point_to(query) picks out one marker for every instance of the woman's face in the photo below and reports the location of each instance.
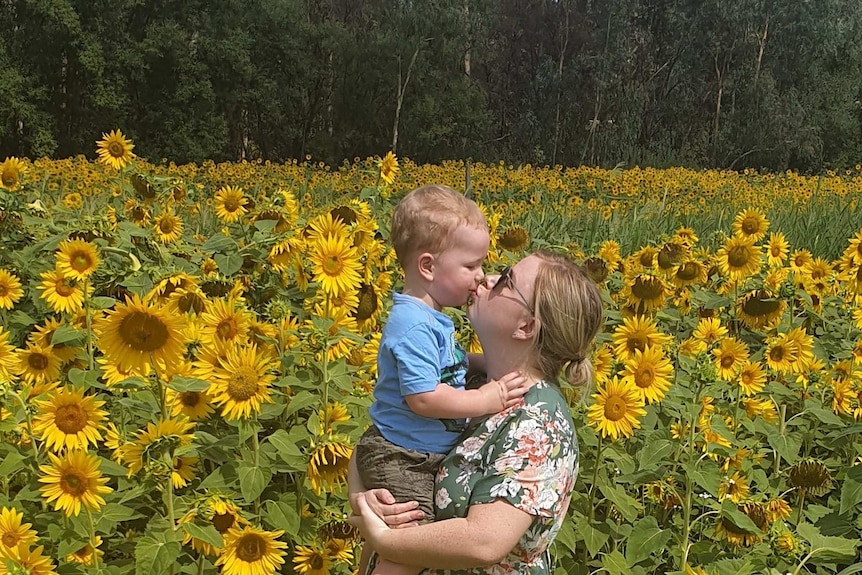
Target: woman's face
(499, 305)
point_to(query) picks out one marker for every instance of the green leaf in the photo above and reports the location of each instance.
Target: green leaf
(206, 533)
(253, 480)
(593, 538)
(851, 490)
(114, 513)
(731, 512)
(734, 567)
(825, 548)
(300, 400)
(11, 463)
(653, 452)
(645, 538)
(705, 474)
(219, 243)
(615, 563)
(228, 264)
(282, 514)
(102, 302)
(67, 334)
(785, 445)
(184, 384)
(627, 505)
(287, 450)
(155, 554)
(566, 535)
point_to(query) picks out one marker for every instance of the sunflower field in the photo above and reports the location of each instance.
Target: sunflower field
(187, 355)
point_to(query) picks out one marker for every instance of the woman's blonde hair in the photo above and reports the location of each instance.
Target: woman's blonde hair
(423, 221)
(568, 308)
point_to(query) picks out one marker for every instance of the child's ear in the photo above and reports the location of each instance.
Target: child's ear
(425, 265)
(527, 329)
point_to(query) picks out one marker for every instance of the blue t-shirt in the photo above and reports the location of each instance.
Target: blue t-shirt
(417, 352)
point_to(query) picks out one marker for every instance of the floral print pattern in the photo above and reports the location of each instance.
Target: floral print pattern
(526, 455)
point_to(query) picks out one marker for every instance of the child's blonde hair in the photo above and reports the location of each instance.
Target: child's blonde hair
(568, 308)
(424, 219)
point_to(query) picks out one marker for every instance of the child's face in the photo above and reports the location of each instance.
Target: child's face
(458, 269)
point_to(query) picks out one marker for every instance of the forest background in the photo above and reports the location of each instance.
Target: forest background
(730, 84)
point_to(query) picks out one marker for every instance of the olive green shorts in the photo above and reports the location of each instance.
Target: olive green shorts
(409, 475)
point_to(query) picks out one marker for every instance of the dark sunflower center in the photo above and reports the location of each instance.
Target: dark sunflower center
(344, 213)
(636, 342)
(243, 384)
(332, 265)
(750, 226)
(645, 378)
(597, 269)
(38, 361)
(3, 290)
(615, 408)
(688, 271)
(231, 204)
(227, 329)
(250, 548)
(367, 303)
(727, 361)
(142, 331)
(760, 305)
(223, 521)
(646, 259)
(316, 562)
(10, 540)
(777, 353)
(10, 178)
(190, 398)
(63, 288)
(73, 484)
(81, 262)
(166, 225)
(116, 149)
(647, 288)
(738, 256)
(669, 256)
(70, 419)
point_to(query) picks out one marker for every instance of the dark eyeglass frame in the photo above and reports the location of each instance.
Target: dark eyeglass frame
(505, 279)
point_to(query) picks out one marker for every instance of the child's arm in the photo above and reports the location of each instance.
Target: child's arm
(446, 402)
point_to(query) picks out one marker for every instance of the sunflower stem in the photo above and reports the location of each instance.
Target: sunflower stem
(29, 417)
(782, 414)
(169, 484)
(96, 568)
(590, 510)
(801, 505)
(736, 410)
(255, 446)
(88, 314)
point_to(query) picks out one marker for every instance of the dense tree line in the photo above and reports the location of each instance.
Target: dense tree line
(717, 83)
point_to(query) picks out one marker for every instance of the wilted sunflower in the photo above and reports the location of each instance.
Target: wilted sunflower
(10, 173)
(135, 334)
(513, 239)
(645, 293)
(311, 560)
(77, 259)
(230, 204)
(777, 510)
(87, 553)
(750, 224)
(327, 467)
(37, 364)
(242, 382)
(68, 419)
(335, 264)
(811, 475)
(388, 168)
(251, 551)
(687, 273)
(730, 355)
(167, 433)
(736, 536)
(10, 289)
(670, 255)
(650, 372)
(74, 481)
(13, 531)
(616, 410)
(751, 378)
(168, 228)
(115, 150)
(637, 333)
(759, 308)
(597, 269)
(739, 258)
(23, 559)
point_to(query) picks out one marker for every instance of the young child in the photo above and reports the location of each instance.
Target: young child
(441, 241)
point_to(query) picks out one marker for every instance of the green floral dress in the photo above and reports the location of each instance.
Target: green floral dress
(526, 455)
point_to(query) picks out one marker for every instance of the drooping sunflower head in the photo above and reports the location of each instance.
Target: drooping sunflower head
(115, 150)
(251, 551)
(597, 269)
(514, 239)
(670, 255)
(327, 467)
(811, 475)
(10, 173)
(689, 272)
(751, 224)
(646, 293)
(759, 308)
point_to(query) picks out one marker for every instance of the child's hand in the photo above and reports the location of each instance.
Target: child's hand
(500, 394)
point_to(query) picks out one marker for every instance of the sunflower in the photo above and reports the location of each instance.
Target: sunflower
(853, 252)
(224, 323)
(10, 173)
(650, 372)
(645, 293)
(762, 407)
(618, 405)
(134, 334)
(339, 550)
(69, 419)
(251, 551)
(804, 349)
(750, 224)
(335, 264)
(388, 167)
(195, 405)
(780, 354)
(242, 382)
(610, 252)
(74, 481)
(61, 293)
(283, 254)
(23, 559)
(644, 258)
(739, 258)
(230, 204)
(10, 289)
(311, 560)
(759, 308)
(13, 531)
(86, 554)
(799, 259)
(687, 236)
(709, 330)
(168, 228)
(115, 150)
(842, 393)
(811, 475)
(597, 269)
(725, 529)
(637, 333)
(184, 471)
(787, 544)
(167, 433)
(327, 467)
(77, 259)
(670, 255)
(37, 364)
(777, 249)
(777, 510)
(73, 200)
(603, 361)
(730, 355)
(221, 513)
(687, 273)
(751, 378)
(8, 357)
(734, 488)
(513, 239)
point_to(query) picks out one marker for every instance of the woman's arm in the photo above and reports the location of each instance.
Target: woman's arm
(488, 533)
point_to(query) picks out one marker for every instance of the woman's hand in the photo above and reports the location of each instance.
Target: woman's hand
(382, 504)
(370, 524)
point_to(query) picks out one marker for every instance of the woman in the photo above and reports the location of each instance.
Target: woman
(502, 493)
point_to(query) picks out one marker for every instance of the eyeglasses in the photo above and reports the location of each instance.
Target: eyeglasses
(505, 279)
